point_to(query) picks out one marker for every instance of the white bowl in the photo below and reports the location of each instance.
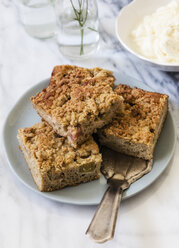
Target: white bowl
(128, 17)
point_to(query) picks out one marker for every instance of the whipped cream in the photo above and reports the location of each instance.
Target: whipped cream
(157, 35)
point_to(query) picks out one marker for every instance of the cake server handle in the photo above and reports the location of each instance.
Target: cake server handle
(102, 226)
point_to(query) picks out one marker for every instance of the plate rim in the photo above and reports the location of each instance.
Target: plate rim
(68, 201)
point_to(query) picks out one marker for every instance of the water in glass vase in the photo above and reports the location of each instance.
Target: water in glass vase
(38, 17)
(75, 40)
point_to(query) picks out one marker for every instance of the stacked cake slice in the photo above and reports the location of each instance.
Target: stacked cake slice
(78, 101)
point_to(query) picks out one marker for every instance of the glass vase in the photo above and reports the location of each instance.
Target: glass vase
(38, 17)
(78, 35)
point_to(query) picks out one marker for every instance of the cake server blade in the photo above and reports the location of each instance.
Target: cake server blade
(120, 171)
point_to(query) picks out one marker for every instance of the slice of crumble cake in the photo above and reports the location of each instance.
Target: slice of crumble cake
(78, 101)
(136, 129)
(55, 164)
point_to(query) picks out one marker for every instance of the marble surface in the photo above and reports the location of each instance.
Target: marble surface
(150, 219)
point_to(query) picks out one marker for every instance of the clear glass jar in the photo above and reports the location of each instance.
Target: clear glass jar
(38, 17)
(77, 20)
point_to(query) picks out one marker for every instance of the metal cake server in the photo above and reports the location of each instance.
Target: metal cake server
(120, 171)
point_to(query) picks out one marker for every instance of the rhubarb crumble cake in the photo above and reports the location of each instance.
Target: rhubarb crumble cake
(78, 101)
(55, 164)
(136, 129)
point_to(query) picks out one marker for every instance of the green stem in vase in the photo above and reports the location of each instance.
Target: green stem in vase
(81, 16)
(81, 47)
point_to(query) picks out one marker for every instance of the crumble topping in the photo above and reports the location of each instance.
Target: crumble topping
(140, 117)
(76, 95)
(53, 152)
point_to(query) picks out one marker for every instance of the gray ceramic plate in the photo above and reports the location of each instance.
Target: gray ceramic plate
(23, 115)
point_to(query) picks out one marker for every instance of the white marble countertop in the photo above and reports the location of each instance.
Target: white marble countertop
(150, 219)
